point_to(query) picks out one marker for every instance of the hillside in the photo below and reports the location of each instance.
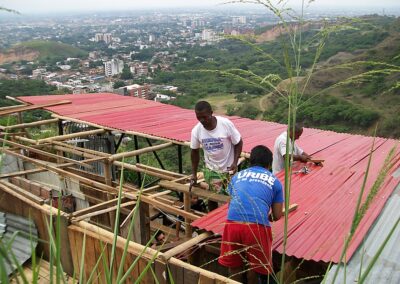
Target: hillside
(355, 84)
(45, 51)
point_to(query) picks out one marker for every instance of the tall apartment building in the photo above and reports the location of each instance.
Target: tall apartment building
(106, 37)
(113, 67)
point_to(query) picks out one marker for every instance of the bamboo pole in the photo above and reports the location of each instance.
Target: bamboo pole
(139, 152)
(161, 171)
(126, 132)
(31, 107)
(71, 136)
(45, 153)
(195, 190)
(27, 140)
(87, 151)
(64, 173)
(186, 245)
(31, 124)
(95, 207)
(107, 210)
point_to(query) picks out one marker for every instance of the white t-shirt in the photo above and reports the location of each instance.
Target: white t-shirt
(218, 144)
(278, 162)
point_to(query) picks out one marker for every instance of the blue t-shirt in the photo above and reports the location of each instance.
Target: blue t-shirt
(252, 193)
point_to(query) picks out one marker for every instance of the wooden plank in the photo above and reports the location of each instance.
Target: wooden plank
(74, 251)
(160, 270)
(209, 195)
(31, 107)
(191, 276)
(148, 277)
(98, 254)
(96, 207)
(203, 279)
(66, 257)
(177, 273)
(71, 136)
(90, 257)
(79, 249)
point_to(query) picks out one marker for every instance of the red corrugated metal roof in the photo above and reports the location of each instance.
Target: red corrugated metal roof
(326, 196)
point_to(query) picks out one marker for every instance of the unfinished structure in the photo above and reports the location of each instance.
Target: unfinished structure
(81, 171)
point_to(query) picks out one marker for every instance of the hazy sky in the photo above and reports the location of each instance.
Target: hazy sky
(34, 6)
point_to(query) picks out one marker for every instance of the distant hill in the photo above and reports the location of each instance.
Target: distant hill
(40, 50)
(355, 85)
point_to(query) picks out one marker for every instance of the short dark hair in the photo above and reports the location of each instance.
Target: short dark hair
(202, 105)
(298, 127)
(261, 156)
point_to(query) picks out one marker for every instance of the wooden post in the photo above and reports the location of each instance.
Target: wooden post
(187, 206)
(139, 181)
(108, 181)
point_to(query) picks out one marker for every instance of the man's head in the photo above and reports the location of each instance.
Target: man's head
(298, 130)
(204, 113)
(159, 237)
(261, 156)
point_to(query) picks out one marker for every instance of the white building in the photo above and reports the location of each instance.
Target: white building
(113, 67)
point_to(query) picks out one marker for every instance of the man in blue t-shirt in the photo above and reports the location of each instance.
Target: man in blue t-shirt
(247, 233)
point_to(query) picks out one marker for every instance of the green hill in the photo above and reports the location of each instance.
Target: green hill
(52, 49)
(356, 83)
(43, 51)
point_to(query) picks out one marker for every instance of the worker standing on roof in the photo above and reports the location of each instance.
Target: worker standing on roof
(298, 154)
(247, 232)
(222, 146)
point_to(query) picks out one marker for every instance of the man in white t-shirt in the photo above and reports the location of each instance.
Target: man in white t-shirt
(221, 142)
(298, 154)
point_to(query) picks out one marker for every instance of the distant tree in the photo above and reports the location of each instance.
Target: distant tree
(119, 84)
(126, 73)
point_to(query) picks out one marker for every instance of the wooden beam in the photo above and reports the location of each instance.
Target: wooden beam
(107, 210)
(186, 245)
(139, 152)
(70, 136)
(31, 124)
(206, 194)
(31, 107)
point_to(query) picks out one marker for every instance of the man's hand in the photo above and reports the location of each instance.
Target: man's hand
(232, 169)
(193, 180)
(305, 158)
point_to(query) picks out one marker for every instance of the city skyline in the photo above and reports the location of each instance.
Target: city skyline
(45, 6)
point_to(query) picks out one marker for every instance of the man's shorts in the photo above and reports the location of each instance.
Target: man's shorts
(247, 243)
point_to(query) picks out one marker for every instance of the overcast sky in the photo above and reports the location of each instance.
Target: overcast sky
(35, 6)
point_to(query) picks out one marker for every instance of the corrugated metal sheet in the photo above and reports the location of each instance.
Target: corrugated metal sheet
(326, 196)
(22, 234)
(387, 268)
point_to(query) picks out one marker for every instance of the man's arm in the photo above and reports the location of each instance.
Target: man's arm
(302, 158)
(237, 150)
(195, 157)
(276, 211)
